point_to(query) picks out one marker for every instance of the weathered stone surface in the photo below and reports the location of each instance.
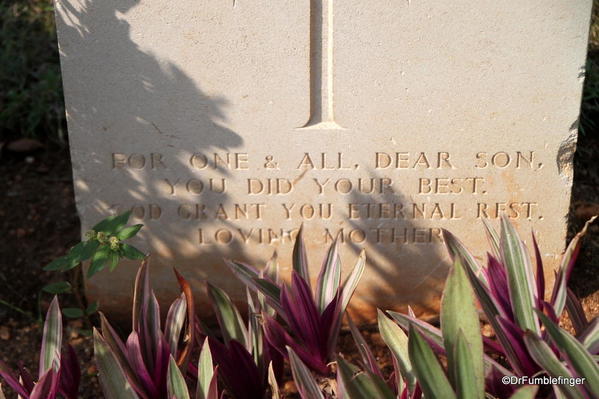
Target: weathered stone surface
(227, 124)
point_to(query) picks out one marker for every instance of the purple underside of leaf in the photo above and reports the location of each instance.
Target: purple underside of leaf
(301, 313)
(540, 277)
(330, 324)
(492, 345)
(497, 279)
(138, 364)
(70, 376)
(12, 380)
(161, 363)
(47, 386)
(576, 312)
(278, 338)
(272, 355)
(149, 332)
(118, 348)
(237, 369)
(514, 334)
(494, 386)
(27, 379)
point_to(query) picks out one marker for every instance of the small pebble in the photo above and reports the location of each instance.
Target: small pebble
(4, 333)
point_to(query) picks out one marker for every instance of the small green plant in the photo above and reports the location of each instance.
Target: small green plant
(104, 246)
(31, 102)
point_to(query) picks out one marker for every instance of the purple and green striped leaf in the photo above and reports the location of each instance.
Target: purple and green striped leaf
(306, 385)
(428, 370)
(459, 316)
(231, 323)
(397, 341)
(368, 358)
(329, 277)
(521, 279)
(52, 339)
(206, 376)
(359, 385)
(47, 386)
(300, 259)
(580, 359)
(176, 385)
(493, 238)
(544, 356)
(112, 378)
(559, 294)
(590, 336)
(175, 320)
(352, 280)
(466, 367)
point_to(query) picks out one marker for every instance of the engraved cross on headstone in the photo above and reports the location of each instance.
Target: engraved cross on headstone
(321, 66)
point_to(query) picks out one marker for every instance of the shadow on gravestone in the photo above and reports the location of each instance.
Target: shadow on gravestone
(419, 269)
(166, 92)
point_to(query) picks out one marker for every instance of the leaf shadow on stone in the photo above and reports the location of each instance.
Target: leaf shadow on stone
(156, 103)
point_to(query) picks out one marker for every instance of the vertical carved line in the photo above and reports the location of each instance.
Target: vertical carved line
(321, 66)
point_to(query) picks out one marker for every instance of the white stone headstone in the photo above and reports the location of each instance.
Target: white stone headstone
(226, 124)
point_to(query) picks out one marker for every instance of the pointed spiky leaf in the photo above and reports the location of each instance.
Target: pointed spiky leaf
(429, 372)
(112, 379)
(544, 356)
(300, 259)
(230, 320)
(493, 238)
(558, 296)
(350, 284)
(272, 382)
(205, 372)
(305, 382)
(329, 277)
(52, 338)
(458, 314)
(175, 383)
(175, 321)
(580, 359)
(464, 365)
(397, 341)
(368, 358)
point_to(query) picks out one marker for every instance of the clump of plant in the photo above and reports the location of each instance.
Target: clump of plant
(512, 299)
(104, 246)
(152, 364)
(142, 363)
(59, 372)
(308, 323)
(419, 362)
(248, 363)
